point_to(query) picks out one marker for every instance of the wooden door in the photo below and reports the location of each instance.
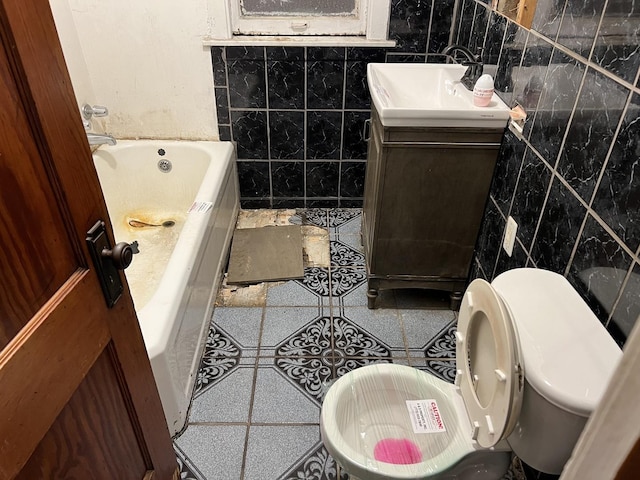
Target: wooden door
(77, 395)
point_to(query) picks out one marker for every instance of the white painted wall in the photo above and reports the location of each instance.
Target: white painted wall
(144, 60)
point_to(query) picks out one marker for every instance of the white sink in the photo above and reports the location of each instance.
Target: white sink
(429, 95)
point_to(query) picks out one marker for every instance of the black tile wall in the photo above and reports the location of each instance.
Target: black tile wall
(308, 105)
(571, 182)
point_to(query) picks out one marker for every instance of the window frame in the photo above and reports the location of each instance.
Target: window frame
(299, 24)
(375, 19)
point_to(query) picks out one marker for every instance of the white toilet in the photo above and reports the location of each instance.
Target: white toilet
(532, 363)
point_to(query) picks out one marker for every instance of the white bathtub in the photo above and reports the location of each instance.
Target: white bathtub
(175, 277)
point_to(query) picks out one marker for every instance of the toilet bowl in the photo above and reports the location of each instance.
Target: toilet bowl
(532, 361)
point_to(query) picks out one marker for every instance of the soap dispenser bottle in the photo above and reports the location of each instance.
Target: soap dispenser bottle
(483, 91)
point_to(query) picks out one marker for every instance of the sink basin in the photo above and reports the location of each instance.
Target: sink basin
(429, 95)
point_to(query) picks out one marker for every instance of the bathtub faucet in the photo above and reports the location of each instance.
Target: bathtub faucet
(474, 63)
(99, 139)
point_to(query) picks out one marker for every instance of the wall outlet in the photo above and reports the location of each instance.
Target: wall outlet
(509, 236)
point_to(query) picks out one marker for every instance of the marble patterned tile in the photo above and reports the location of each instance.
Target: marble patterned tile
(286, 135)
(354, 146)
(579, 25)
(598, 269)
(510, 57)
(247, 83)
(244, 53)
(558, 230)
(409, 25)
(357, 91)
(507, 170)
(490, 238)
(528, 79)
(546, 20)
(495, 35)
(325, 78)
(219, 67)
(286, 77)
(440, 25)
(627, 310)
(287, 179)
(618, 194)
(556, 103)
(250, 130)
(324, 130)
(466, 22)
(530, 195)
(254, 179)
(617, 45)
(479, 29)
(322, 179)
(598, 111)
(224, 132)
(222, 105)
(352, 179)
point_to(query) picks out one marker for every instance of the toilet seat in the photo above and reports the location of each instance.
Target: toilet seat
(489, 367)
(417, 385)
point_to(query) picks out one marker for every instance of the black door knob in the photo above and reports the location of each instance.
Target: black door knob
(121, 254)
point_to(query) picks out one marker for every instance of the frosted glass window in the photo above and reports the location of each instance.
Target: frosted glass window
(368, 18)
(298, 7)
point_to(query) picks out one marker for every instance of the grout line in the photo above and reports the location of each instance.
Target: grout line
(426, 46)
(253, 393)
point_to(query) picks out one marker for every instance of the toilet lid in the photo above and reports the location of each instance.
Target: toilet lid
(489, 369)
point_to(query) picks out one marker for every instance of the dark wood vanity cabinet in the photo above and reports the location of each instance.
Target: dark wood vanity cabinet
(425, 193)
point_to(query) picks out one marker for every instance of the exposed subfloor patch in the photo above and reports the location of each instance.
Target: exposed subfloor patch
(315, 253)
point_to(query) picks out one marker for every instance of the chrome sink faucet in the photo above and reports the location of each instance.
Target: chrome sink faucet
(473, 73)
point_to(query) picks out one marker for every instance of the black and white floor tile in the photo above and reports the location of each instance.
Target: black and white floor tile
(265, 370)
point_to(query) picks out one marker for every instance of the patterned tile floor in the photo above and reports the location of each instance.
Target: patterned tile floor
(264, 372)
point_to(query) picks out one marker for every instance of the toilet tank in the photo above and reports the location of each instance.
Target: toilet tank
(568, 357)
